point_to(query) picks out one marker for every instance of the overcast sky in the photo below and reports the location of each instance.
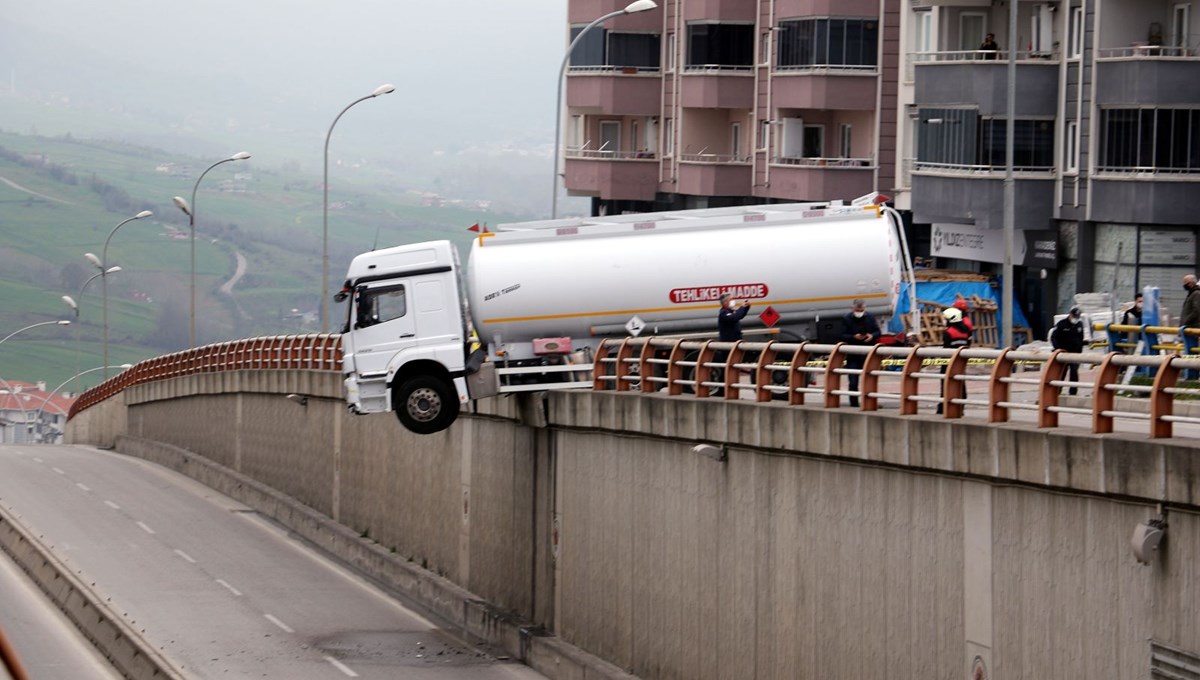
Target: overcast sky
(475, 70)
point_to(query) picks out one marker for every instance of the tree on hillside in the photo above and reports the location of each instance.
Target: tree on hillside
(170, 332)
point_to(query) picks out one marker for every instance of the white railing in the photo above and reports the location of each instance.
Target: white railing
(713, 158)
(956, 56)
(823, 162)
(613, 70)
(1147, 51)
(718, 69)
(1143, 171)
(865, 69)
(606, 155)
(961, 169)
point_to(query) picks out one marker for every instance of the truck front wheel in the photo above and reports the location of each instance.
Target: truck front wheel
(425, 404)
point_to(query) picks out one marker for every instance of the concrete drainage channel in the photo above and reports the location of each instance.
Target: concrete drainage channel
(132, 656)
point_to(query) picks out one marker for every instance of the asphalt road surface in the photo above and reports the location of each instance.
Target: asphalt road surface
(221, 591)
(48, 644)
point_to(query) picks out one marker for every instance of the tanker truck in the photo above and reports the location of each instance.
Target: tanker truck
(424, 336)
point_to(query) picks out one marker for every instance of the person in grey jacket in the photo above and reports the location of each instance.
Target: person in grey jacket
(1190, 316)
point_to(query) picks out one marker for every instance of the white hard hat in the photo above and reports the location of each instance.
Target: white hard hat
(952, 315)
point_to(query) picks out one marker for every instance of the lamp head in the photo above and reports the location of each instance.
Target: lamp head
(91, 257)
(64, 322)
(70, 302)
(182, 204)
(113, 269)
(640, 6)
(386, 88)
(142, 214)
(239, 156)
(126, 367)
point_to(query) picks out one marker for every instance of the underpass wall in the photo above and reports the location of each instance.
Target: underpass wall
(828, 543)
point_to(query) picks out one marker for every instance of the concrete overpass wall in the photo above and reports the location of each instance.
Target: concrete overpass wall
(829, 544)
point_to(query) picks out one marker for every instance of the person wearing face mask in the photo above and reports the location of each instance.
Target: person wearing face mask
(1068, 336)
(729, 319)
(859, 327)
(1190, 316)
(1132, 317)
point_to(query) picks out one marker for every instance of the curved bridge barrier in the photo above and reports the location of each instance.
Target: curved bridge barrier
(317, 351)
(800, 372)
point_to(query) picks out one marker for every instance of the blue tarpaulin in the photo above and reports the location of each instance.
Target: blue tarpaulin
(945, 292)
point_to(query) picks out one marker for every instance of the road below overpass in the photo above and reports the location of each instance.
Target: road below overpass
(219, 590)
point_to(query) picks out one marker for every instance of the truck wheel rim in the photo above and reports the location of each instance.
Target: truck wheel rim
(424, 404)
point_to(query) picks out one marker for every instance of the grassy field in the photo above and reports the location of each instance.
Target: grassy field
(71, 193)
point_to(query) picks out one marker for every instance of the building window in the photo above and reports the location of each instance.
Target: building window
(1179, 26)
(961, 138)
(610, 136)
(972, 28)
(669, 137)
(601, 47)
(764, 48)
(735, 141)
(1150, 140)
(575, 133)
(1075, 46)
(670, 51)
(720, 45)
(1071, 152)
(847, 146)
(764, 134)
(807, 43)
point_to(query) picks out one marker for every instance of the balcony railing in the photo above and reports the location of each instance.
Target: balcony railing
(987, 56)
(867, 69)
(823, 162)
(718, 69)
(1148, 51)
(613, 70)
(1149, 171)
(606, 155)
(976, 170)
(713, 158)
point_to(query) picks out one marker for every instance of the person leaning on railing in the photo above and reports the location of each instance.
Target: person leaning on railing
(1189, 317)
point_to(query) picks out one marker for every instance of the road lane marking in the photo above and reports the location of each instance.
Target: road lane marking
(83, 486)
(341, 666)
(230, 588)
(279, 623)
(58, 470)
(146, 528)
(185, 556)
(112, 505)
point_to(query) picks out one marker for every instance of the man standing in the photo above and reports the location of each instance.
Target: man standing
(1132, 317)
(989, 46)
(1190, 316)
(1068, 336)
(729, 319)
(956, 335)
(859, 327)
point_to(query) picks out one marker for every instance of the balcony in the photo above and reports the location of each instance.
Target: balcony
(819, 179)
(826, 8)
(845, 88)
(982, 77)
(612, 175)
(1145, 195)
(615, 91)
(714, 175)
(1147, 75)
(717, 87)
(975, 193)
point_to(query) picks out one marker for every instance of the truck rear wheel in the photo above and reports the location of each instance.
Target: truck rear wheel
(425, 404)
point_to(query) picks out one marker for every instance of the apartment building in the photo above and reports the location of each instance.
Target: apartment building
(1106, 150)
(706, 103)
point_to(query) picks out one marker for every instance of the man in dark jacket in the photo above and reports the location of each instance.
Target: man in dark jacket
(859, 327)
(1132, 317)
(729, 319)
(1068, 336)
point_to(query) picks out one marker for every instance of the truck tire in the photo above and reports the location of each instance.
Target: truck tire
(425, 404)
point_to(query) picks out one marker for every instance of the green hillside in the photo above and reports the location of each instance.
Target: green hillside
(61, 198)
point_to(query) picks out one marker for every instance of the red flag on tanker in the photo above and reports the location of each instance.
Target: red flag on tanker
(473, 227)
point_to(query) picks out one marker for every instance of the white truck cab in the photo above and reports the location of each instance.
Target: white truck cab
(404, 342)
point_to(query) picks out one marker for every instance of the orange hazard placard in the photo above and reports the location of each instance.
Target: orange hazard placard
(769, 317)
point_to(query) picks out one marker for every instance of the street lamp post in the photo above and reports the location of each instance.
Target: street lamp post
(631, 8)
(61, 322)
(189, 209)
(382, 89)
(73, 303)
(103, 267)
(38, 417)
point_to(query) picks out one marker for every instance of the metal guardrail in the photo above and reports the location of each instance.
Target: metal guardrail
(318, 351)
(796, 371)
(793, 372)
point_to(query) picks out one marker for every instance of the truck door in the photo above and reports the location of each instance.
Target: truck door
(383, 323)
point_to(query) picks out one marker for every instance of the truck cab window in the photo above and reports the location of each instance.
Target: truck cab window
(377, 305)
